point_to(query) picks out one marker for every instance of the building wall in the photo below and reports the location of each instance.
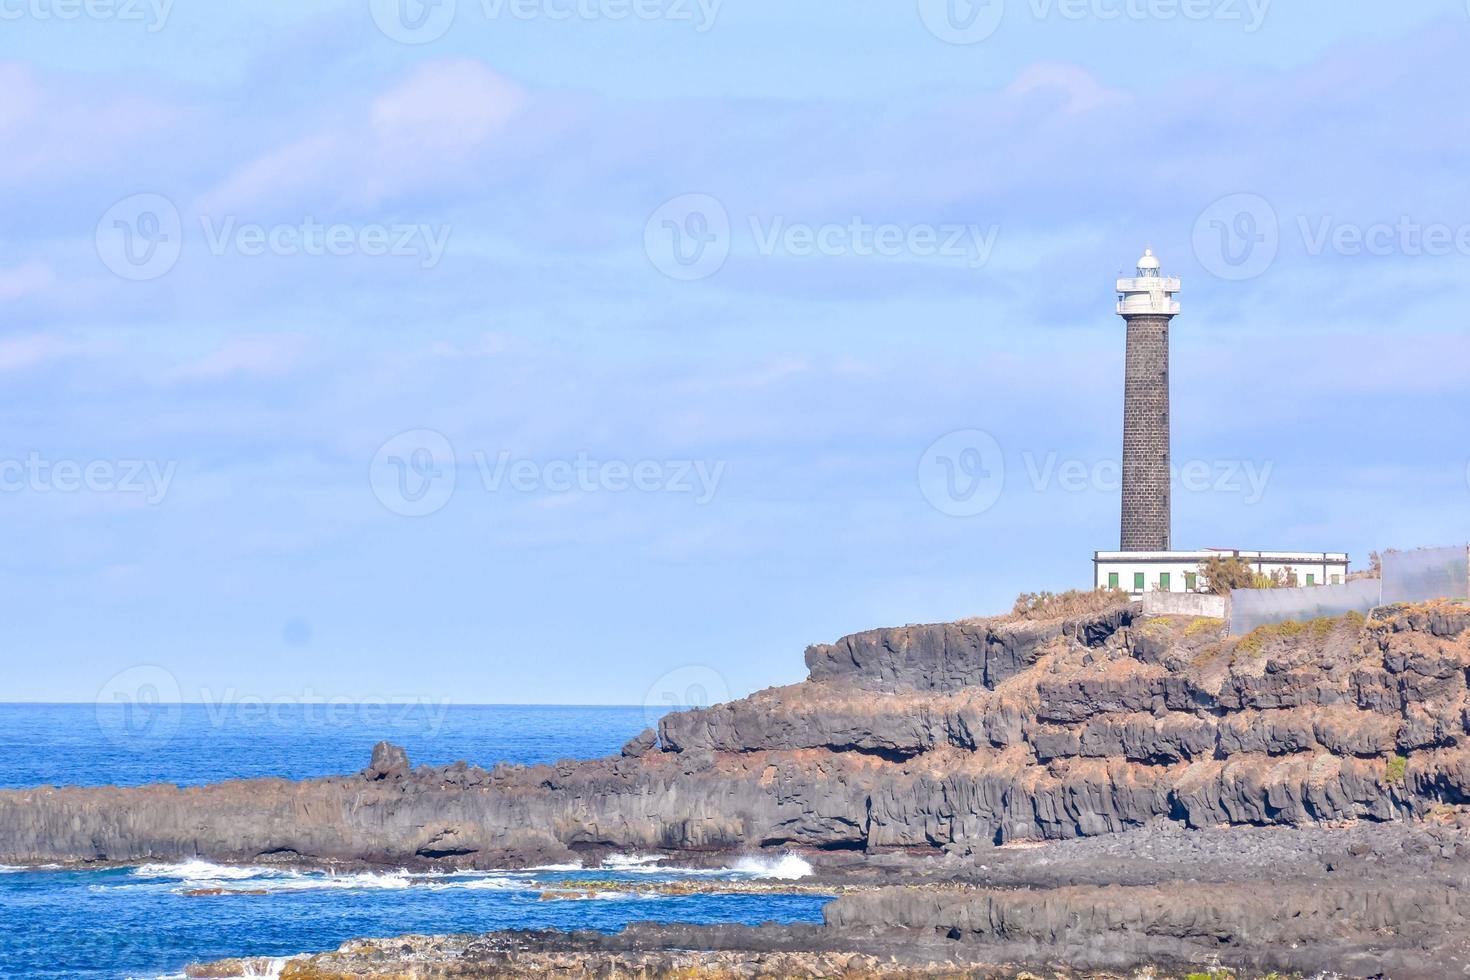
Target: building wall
(1324, 569)
(1146, 477)
(1186, 604)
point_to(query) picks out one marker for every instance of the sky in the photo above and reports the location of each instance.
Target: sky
(612, 351)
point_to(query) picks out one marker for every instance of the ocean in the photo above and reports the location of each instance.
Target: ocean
(141, 922)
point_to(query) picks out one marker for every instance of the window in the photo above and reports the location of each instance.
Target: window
(1311, 579)
(1337, 580)
(1138, 584)
(1113, 580)
(1164, 581)
(1191, 581)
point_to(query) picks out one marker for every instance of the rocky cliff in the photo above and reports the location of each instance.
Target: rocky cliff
(953, 737)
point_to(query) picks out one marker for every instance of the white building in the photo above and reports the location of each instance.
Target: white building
(1140, 572)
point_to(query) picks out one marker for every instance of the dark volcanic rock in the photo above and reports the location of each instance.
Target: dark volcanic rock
(641, 744)
(939, 738)
(389, 762)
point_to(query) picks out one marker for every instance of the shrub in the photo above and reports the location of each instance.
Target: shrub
(1065, 605)
(1226, 572)
(1204, 624)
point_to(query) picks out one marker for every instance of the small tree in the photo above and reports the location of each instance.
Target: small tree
(1226, 572)
(1284, 578)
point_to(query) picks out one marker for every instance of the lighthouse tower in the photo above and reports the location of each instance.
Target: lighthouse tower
(1147, 567)
(1146, 302)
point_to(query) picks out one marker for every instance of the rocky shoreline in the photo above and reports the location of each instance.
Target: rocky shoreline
(1362, 901)
(1292, 800)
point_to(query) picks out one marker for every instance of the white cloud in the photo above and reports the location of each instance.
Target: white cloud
(259, 356)
(437, 124)
(22, 353)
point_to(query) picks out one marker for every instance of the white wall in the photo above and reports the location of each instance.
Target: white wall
(1178, 565)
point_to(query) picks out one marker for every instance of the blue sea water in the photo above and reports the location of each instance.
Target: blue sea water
(132, 744)
(139, 922)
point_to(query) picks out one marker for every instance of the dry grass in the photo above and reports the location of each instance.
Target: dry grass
(1064, 605)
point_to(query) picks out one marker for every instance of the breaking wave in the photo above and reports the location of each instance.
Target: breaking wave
(787, 867)
(208, 877)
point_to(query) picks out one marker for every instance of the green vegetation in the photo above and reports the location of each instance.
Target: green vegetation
(1317, 629)
(1223, 574)
(1204, 624)
(1226, 573)
(1398, 766)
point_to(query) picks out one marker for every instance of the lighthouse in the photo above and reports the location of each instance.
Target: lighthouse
(1147, 304)
(1146, 565)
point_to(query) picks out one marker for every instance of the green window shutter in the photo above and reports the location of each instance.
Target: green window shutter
(1311, 579)
(1191, 581)
(1138, 584)
(1112, 580)
(1164, 581)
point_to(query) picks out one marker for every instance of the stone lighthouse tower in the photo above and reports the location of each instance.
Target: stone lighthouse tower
(1147, 304)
